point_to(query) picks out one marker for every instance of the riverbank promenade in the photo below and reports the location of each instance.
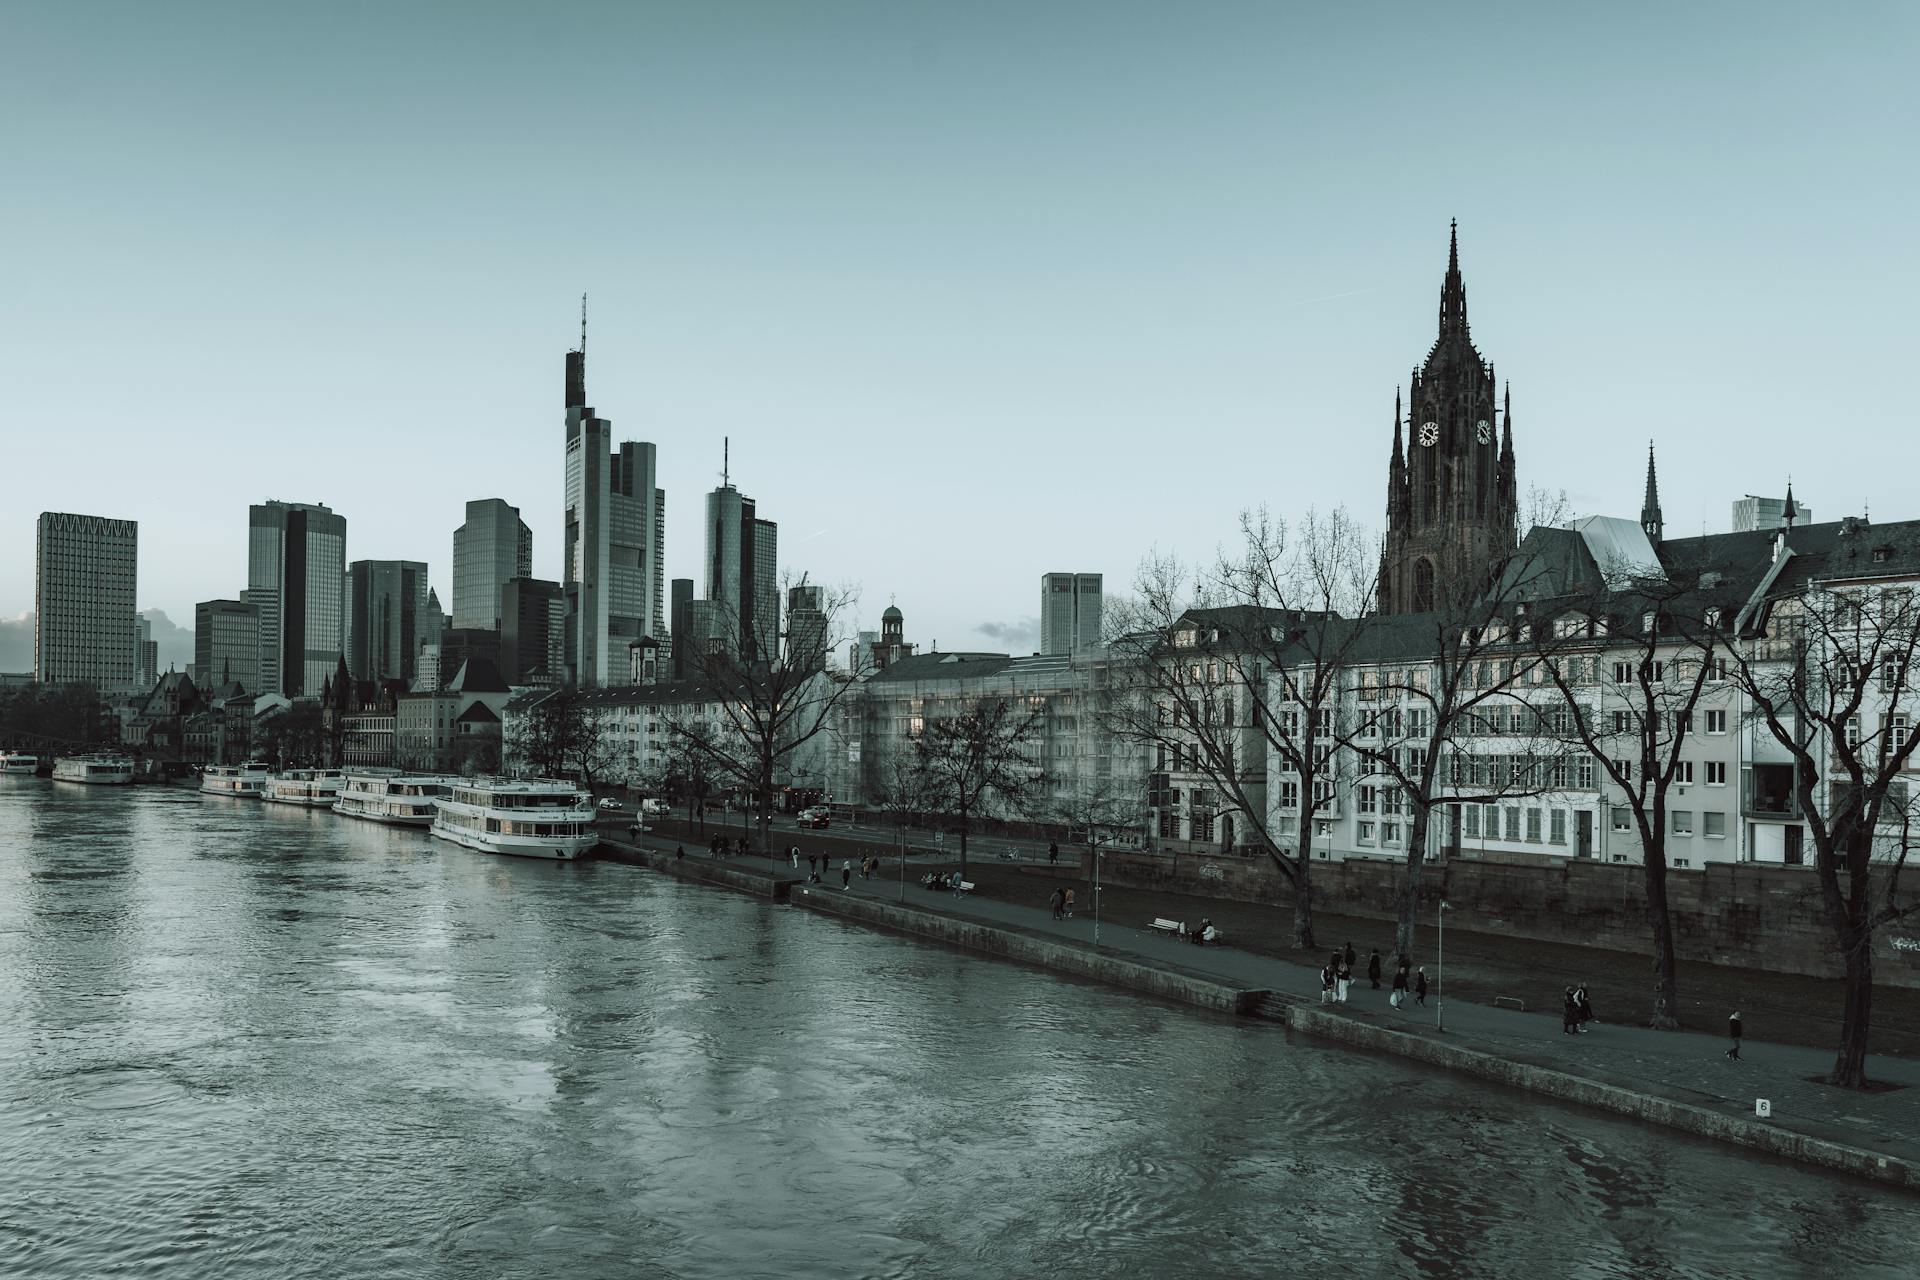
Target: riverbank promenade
(1686, 1068)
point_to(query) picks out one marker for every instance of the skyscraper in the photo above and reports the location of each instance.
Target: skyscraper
(533, 620)
(807, 640)
(743, 572)
(1070, 608)
(83, 591)
(492, 546)
(612, 570)
(226, 644)
(386, 606)
(680, 623)
(296, 574)
(146, 661)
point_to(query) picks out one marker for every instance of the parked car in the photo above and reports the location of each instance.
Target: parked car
(609, 803)
(653, 807)
(814, 817)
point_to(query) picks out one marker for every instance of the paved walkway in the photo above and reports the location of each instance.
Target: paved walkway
(1686, 1064)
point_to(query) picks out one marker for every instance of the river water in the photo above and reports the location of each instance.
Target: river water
(238, 1039)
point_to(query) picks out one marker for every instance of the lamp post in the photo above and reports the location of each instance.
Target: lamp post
(1440, 974)
(1093, 842)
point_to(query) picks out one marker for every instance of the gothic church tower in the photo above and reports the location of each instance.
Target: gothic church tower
(1452, 510)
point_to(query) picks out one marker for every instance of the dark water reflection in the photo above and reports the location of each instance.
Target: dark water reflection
(239, 1040)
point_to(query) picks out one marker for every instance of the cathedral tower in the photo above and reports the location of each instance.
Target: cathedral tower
(1452, 509)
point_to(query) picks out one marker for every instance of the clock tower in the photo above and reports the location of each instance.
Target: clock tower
(1452, 510)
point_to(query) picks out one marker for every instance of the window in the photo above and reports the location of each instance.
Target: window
(1583, 772)
(1390, 833)
(1289, 797)
(1853, 731)
(1713, 619)
(1622, 818)
(1622, 722)
(1896, 731)
(1682, 723)
(1557, 828)
(1366, 832)
(1716, 773)
(1713, 825)
(1624, 768)
(1513, 822)
(1491, 814)
(1683, 773)
(1533, 826)
(1369, 800)
(1623, 673)
(1417, 722)
(1716, 722)
(1470, 820)
(1682, 822)
(1322, 792)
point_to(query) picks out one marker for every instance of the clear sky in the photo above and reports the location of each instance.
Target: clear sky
(978, 290)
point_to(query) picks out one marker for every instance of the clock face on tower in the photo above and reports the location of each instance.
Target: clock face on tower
(1429, 434)
(1483, 431)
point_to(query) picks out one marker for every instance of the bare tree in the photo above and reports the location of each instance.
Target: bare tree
(1243, 664)
(904, 792)
(1826, 664)
(979, 756)
(564, 735)
(773, 691)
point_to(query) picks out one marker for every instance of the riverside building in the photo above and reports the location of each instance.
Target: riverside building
(85, 572)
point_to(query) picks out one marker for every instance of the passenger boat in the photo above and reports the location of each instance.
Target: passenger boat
(245, 781)
(397, 799)
(99, 770)
(314, 788)
(18, 762)
(524, 817)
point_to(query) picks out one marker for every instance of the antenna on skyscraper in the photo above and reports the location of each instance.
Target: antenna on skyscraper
(583, 324)
(726, 446)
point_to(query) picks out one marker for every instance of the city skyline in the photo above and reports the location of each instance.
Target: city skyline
(994, 269)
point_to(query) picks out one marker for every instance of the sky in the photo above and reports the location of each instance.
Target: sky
(976, 291)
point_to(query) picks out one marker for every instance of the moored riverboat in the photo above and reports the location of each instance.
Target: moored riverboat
(521, 817)
(19, 762)
(391, 797)
(243, 781)
(313, 788)
(95, 770)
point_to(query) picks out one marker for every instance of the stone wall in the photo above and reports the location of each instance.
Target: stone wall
(1764, 917)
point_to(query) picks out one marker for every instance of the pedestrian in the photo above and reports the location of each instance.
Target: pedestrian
(1399, 995)
(1347, 955)
(1069, 904)
(811, 859)
(846, 873)
(1344, 977)
(679, 852)
(1420, 985)
(793, 856)
(1053, 852)
(1373, 968)
(1582, 1008)
(1569, 1015)
(1327, 981)
(1058, 902)
(1733, 1029)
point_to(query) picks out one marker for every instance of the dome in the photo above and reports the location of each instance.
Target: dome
(892, 614)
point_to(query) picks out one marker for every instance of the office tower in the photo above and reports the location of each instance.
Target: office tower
(226, 644)
(533, 621)
(146, 662)
(386, 605)
(492, 546)
(806, 626)
(460, 644)
(1751, 513)
(83, 592)
(297, 574)
(680, 620)
(743, 572)
(1069, 612)
(615, 540)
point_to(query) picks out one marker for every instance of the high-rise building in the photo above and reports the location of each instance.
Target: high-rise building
(743, 571)
(83, 592)
(679, 622)
(533, 622)
(297, 574)
(146, 661)
(386, 605)
(807, 639)
(1751, 513)
(1452, 510)
(226, 644)
(492, 546)
(1070, 607)
(615, 540)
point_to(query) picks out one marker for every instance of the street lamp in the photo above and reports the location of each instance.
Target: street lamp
(1440, 974)
(1093, 842)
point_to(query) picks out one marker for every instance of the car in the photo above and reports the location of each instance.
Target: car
(609, 803)
(653, 807)
(814, 818)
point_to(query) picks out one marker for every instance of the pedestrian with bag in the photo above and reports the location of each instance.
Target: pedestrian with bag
(1569, 1015)
(846, 873)
(1734, 1030)
(1582, 1008)
(1327, 980)
(1069, 904)
(1343, 977)
(1399, 994)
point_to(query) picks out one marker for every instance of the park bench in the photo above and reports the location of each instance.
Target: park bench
(1509, 1002)
(1173, 927)
(966, 886)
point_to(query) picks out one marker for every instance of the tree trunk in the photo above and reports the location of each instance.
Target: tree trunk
(963, 844)
(1850, 1066)
(1666, 987)
(1302, 907)
(1410, 882)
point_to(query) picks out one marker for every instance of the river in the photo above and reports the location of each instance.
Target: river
(238, 1039)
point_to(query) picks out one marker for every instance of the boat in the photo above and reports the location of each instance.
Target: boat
(98, 770)
(397, 799)
(19, 762)
(245, 781)
(523, 817)
(314, 788)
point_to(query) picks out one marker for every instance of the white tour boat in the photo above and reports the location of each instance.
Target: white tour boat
(525, 817)
(18, 762)
(247, 780)
(314, 788)
(397, 799)
(100, 770)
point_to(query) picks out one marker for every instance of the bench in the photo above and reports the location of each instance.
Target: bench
(1509, 1002)
(1173, 927)
(964, 886)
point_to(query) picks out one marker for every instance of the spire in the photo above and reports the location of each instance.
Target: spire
(1506, 469)
(1791, 512)
(1650, 518)
(1453, 293)
(577, 365)
(1396, 469)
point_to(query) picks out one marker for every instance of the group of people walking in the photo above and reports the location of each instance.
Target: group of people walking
(1336, 978)
(1576, 1011)
(1062, 903)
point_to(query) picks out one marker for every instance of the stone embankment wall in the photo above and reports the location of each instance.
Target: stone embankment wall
(1762, 917)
